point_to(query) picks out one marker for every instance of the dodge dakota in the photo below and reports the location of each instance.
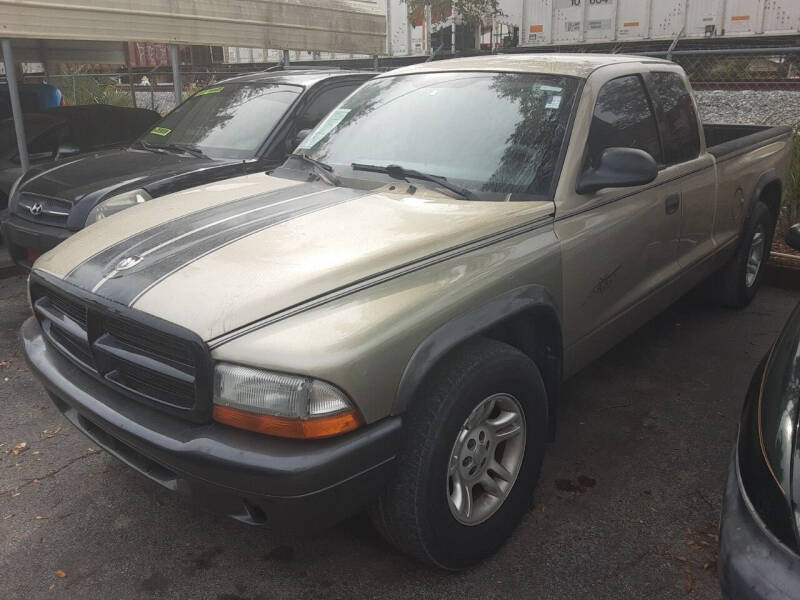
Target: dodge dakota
(385, 321)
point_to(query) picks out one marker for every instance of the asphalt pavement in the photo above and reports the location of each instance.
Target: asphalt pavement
(627, 505)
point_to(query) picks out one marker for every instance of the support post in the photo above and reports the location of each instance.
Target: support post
(16, 106)
(285, 59)
(176, 73)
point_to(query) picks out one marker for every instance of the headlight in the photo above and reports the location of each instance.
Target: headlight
(279, 404)
(117, 203)
(14, 187)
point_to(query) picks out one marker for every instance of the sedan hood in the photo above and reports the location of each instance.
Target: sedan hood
(216, 258)
(73, 178)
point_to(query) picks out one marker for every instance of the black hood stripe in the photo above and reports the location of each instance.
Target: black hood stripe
(164, 252)
(88, 273)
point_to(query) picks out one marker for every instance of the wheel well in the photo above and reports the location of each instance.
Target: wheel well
(537, 333)
(771, 197)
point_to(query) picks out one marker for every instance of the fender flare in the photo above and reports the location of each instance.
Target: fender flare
(463, 327)
(767, 177)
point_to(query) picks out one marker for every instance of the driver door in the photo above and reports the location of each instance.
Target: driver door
(618, 244)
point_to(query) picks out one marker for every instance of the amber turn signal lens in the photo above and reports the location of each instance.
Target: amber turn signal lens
(320, 427)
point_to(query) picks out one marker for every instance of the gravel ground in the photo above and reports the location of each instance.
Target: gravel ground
(627, 505)
(749, 107)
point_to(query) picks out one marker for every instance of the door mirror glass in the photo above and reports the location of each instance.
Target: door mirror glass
(619, 167)
(792, 237)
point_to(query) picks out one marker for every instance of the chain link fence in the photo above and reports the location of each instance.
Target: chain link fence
(152, 90)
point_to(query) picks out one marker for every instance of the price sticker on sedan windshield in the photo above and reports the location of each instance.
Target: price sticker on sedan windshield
(324, 128)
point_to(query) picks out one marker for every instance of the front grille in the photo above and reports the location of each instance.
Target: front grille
(144, 358)
(43, 209)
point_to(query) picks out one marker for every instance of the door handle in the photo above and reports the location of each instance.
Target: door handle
(672, 204)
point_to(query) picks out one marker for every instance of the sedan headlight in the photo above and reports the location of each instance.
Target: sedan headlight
(279, 404)
(117, 203)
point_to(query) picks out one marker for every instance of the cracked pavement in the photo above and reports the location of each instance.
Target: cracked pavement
(627, 505)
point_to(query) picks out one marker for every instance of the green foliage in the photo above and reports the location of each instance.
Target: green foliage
(790, 211)
(85, 89)
(471, 11)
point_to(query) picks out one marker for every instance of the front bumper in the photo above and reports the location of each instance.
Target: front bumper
(753, 563)
(21, 236)
(282, 483)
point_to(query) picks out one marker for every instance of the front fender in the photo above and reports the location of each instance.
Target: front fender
(468, 325)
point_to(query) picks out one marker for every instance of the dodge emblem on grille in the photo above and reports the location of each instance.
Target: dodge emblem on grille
(35, 209)
(128, 262)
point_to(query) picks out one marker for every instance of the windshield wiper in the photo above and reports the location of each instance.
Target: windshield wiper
(185, 149)
(324, 171)
(398, 172)
(150, 147)
(173, 148)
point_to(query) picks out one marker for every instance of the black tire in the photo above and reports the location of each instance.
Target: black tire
(733, 290)
(413, 513)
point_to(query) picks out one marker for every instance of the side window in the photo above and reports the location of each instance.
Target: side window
(622, 119)
(323, 103)
(677, 117)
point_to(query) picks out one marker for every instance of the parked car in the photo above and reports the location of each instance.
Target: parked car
(33, 97)
(760, 528)
(242, 125)
(65, 131)
(385, 321)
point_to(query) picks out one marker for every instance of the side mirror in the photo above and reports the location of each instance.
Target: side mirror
(619, 167)
(301, 135)
(792, 237)
(66, 150)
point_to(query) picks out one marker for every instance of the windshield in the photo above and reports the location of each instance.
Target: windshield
(488, 132)
(231, 120)
(35, 125)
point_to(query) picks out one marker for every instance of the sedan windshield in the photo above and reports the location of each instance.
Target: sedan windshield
(487, 132)
(231, 120)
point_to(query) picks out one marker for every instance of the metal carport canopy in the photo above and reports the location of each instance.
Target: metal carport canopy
(349, 26)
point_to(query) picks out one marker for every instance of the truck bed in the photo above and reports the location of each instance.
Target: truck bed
(723, 140)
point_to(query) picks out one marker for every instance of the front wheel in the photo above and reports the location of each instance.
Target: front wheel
(470, 459)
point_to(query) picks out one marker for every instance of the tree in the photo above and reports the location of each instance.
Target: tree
(472, 12)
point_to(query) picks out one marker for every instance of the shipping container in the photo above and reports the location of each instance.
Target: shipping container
(553, 22)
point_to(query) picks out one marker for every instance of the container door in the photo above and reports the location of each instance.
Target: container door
(782, 16)
(568, 21)
(742, 17)
(633, 19)
(601, 20)
(667, 18)
(538, 19)
(704, 18)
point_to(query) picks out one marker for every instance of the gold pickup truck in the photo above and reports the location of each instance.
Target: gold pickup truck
(385, 321)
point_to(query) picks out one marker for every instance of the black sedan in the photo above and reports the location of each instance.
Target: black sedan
(760, 527)
(67, 130)
(243, 125)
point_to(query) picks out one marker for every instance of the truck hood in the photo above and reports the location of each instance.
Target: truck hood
(101, 173)
(217, 258)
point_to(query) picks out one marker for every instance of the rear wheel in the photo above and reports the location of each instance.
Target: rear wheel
(471, 457)
(740, 279)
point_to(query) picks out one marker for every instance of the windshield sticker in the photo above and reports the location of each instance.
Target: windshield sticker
(324, 128)
(214, 90)
(162, 131)
(553, 102)
(551, 88)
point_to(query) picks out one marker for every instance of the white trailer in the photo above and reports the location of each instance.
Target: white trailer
(554, 22)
